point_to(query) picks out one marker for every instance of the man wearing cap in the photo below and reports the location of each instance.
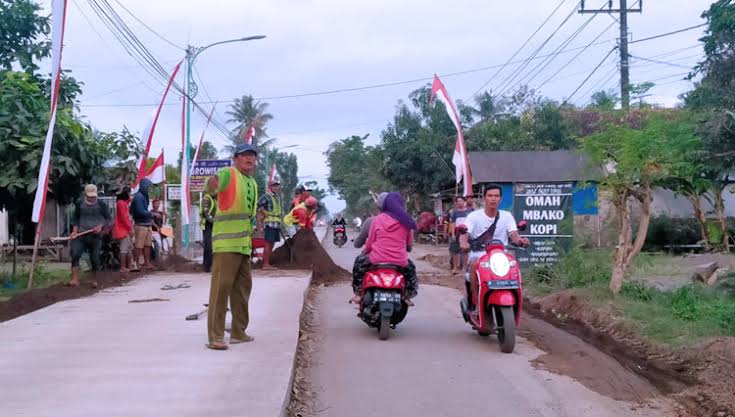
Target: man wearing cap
(301, 216)
(237, 197)
(270, 213)
(91, 217)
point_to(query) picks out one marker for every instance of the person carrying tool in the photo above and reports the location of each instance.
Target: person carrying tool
(143, 218)
(91, 218)
(237, 197)
(301, 217)
(207, 212)
(270, 214)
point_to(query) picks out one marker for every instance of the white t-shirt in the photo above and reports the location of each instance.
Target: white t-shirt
(478, 222)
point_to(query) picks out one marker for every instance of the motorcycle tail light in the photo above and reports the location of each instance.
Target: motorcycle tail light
(388, 280)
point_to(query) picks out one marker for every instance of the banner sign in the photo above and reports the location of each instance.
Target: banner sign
(203, 170)
(173, 192)
(547, 208)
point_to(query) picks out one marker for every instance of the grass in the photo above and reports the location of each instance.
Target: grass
(43, 277)
(677, 318)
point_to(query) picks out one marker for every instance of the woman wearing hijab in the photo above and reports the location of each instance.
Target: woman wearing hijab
(389, 240)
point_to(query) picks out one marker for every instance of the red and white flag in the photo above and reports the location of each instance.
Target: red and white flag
(58, 14)
(157, 172)
(271, 175)
(184, 166)
(151, 129)
(459, 159)
(201, 139)
(248, 136)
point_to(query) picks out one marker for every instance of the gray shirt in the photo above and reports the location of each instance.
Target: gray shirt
(362, 237)
(88, 216)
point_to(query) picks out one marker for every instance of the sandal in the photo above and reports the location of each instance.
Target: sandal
(217, 345)
(71, 284)
(356, 299)
(245, 339)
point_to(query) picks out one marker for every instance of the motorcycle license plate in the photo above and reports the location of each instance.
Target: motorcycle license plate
(392, 297)
(504, 284)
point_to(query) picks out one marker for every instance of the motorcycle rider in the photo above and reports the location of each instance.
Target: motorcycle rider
(485, 225)
(389, 241)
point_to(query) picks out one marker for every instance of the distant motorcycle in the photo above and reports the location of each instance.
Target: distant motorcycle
(340, 235)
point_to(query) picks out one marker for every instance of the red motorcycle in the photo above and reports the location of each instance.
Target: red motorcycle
(500, 299)
(383, 294)
(340, 235)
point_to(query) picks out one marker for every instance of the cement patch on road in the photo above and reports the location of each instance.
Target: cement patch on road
(105, 356)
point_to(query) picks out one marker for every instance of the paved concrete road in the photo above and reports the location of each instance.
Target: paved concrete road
(435, 365)
(103, 356)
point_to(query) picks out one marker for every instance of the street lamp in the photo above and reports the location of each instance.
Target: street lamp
(192, 52)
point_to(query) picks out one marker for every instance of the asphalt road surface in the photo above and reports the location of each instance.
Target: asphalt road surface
(434, 365)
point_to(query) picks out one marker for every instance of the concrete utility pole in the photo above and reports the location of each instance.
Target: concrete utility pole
(623, 10)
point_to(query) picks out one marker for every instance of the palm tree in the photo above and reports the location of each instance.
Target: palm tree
(246, 112)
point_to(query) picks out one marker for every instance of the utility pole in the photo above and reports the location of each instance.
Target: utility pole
(623, 11)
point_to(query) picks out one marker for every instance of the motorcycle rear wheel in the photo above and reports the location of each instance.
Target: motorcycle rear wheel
(506, 328)
(384, 328)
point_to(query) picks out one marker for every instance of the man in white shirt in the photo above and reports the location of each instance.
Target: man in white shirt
(478, 222)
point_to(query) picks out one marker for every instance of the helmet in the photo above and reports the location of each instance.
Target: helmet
(311, 202)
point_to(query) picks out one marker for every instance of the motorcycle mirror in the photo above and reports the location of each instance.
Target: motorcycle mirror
(522, 225)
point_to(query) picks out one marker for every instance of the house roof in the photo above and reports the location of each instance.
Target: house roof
(531, 166)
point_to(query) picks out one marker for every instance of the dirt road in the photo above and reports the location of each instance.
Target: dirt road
(435, 365)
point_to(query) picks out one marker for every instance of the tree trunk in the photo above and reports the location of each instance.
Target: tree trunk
(722, 219)
(701, 219)
(645, 197)
(620, 202)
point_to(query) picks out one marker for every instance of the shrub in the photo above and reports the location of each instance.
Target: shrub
(665, 230)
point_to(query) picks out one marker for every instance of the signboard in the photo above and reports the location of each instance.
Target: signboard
(173, 192)
(203, 170)
(547, 208)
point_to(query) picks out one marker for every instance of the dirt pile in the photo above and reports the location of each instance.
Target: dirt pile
(700, 378)
(176, 263)
(304, 251)
(437, 261)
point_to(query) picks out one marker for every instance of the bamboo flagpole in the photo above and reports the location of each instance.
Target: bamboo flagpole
(58, 13)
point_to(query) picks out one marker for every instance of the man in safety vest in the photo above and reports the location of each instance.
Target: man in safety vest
(207, 212)
(270, 214)
(301, 217)
(237, 198)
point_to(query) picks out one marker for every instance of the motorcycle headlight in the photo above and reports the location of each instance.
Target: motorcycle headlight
(499, 264)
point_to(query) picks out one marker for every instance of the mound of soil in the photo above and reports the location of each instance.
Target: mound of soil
(702, 378)
(39, 298)
(437, 261)
(304, 251)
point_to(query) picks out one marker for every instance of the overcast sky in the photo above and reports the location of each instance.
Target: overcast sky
(325, 45)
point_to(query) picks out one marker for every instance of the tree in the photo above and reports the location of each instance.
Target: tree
(287, 168)
(635, 161)
(246, 112)
(24, 35)
(76, 157)
(605, 100)
(124, 150)
(354, 171)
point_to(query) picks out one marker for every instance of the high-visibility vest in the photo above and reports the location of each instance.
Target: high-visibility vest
(236, 205)
(212, 210)
(275, 214)
(299, 215)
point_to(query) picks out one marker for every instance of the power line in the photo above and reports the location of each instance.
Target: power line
(148, 27)
(590, 76)
(669, 33)
(502, 67)
(508, 80)
(655, 61)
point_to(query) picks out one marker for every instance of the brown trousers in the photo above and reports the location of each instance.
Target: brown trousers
(231, 280)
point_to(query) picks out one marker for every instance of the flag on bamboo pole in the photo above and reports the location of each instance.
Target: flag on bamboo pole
(184, 167)
(58, 14)
(459, 158)
(151, 129)
(248, 136)
(271, 176)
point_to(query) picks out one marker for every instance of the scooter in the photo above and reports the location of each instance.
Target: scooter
(383, 303)
(501, 295)
(340, 235)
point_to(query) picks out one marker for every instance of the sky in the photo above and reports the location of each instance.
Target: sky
(326, 45)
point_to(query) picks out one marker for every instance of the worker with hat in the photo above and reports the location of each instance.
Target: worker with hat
(270, 213)
(91, 218)
(301, 216)
(237, 197)
(207, 211)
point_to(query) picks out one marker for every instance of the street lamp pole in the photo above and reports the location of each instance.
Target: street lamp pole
(192, 52)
